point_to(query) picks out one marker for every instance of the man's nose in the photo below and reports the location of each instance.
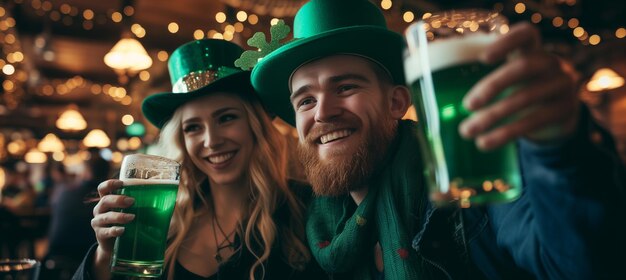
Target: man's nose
(328, 108)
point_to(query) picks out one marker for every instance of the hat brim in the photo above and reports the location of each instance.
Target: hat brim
(270, 77)
(159, 108)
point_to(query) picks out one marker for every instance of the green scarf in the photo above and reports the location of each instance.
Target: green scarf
(342, 235)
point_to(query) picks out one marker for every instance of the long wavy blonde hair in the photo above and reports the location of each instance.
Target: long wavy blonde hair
(268, 189)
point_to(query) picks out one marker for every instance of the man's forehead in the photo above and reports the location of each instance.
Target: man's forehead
(330, 66)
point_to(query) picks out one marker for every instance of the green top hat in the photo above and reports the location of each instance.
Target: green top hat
(196, 69)
(323, 28)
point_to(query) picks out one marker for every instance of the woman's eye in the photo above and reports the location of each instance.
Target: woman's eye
(227, 117)
(191, 128)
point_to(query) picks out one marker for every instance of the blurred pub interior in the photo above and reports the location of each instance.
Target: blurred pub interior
(68, 104)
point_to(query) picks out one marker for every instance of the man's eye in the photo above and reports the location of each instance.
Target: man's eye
(348, 87)
(305, 102)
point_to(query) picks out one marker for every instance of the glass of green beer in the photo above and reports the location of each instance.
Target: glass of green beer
(441, 66)
(153, 182)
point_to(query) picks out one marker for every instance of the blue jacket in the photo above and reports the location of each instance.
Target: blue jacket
(569, 222)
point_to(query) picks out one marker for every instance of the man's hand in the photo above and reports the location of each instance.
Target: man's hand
(544, 104)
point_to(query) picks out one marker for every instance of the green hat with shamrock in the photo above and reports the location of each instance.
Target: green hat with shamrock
(196, 69)
(323, 28)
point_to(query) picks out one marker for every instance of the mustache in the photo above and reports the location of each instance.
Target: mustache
(323, 128)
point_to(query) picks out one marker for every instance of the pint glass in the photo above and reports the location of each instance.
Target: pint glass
(441, 66)
(153, 182)
(22, 269)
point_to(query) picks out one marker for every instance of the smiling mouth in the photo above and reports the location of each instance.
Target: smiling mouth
(221, 158)
(335, 135)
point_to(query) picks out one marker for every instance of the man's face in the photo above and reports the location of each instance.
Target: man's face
(343, 120)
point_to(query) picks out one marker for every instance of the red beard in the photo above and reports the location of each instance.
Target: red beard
(341, 173)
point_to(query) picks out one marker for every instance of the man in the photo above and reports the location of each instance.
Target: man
(342, 77)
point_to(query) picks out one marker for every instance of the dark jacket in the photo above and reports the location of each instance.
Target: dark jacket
(238, 265)
(569, 222)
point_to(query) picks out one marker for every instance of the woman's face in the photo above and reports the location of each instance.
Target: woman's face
(218, 137)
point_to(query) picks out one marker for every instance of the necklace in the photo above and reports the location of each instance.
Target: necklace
(220, 246)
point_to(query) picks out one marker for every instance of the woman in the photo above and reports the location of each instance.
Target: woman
(236, 216)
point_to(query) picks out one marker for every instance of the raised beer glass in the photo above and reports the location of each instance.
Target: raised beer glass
(441, 66)
(153, 182)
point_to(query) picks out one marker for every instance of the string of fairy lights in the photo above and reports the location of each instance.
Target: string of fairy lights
(536, 16)
(574, 24)
(11, 61)
(64, 87)
(12, 58)
(69, 15)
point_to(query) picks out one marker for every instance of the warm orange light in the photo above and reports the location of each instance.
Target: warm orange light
(536, 18)
(162, 55)
(253, 19)
(72, 120)
(116, 157)
(242, 16)
(605, 79)
(50, 144)
(35, 156)
(134, 143)
(128, 54)
(220, 17)
(172, 27)
(578, 32)
(128, 119)
(520, 8)
(386, 4)
(97, 138)
(198, 34)
(408, 16)
(2, 180)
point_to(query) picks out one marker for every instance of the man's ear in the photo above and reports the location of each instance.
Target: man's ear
(399, 101)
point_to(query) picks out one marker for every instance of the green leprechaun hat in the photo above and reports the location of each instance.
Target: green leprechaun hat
(323, 28)
(196, 69)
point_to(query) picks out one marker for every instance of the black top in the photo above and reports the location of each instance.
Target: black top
(183, 273)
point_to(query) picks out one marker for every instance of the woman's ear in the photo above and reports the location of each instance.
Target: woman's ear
(399, 101)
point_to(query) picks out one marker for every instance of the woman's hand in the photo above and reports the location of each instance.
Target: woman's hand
(106, 223)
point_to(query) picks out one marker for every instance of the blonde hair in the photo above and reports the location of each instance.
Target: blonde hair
(268, 189)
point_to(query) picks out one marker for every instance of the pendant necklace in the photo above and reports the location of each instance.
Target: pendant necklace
(225, 243)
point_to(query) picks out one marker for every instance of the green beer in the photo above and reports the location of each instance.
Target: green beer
(440, 73)
(144, 240)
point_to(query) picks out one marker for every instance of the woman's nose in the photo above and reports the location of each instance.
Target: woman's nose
(213, 138)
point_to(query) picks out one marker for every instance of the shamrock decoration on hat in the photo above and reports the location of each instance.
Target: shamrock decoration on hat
(249, 59)
(323, 28)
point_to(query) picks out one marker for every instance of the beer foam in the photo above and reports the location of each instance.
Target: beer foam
(446, 52)
(134, 182)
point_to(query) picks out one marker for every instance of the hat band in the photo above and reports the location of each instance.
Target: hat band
(198, 79)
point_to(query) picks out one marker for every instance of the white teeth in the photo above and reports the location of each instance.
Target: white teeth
(334, 136)
(221, 158)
